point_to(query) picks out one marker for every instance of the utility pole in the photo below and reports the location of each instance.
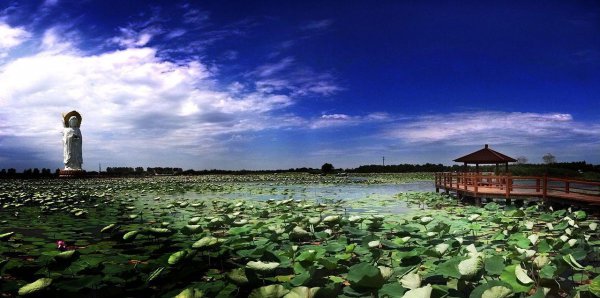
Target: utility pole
(383, 158)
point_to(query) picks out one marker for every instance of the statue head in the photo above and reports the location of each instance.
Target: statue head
(71, 119)
(73, 122)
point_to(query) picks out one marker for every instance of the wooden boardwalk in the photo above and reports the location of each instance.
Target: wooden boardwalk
(481, 185)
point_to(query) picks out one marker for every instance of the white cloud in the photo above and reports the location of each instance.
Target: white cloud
(11, 37)
(127, 98)
(342, 120)
(493, 127)
(317, 25)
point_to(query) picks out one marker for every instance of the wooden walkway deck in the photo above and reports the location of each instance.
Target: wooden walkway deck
(481, 185)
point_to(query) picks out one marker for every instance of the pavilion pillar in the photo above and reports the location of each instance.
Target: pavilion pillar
(477, 168)
(506, 167)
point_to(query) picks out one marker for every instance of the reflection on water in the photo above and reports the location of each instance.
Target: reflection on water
(352, 193)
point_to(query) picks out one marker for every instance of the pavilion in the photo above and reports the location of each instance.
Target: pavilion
(486, 156)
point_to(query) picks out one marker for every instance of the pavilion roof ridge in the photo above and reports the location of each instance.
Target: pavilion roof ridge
(485, 155)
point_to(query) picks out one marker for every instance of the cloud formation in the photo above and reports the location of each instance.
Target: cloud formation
(133, 102)
(472, 128)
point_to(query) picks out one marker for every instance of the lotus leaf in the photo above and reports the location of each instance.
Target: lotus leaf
(108, 228)
(494, 265)
(35, 286)
(190, 293)
(262, 266)
(365, 275)
(533, 238)
(423, 292)
(595, 286)
(194, 220)
(130, 235)
(208, 241)
(593, 226)
(271, 291)
(442, 248)
(302, 292)
(6, 236)
(426, 219)
(66, 255)
(522, 276)
(177, 257)
(572, 262)
(541, 260)
(469, 267)
(238, 276)
(411, 280)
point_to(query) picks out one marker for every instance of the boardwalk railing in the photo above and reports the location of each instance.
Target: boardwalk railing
(508, 186)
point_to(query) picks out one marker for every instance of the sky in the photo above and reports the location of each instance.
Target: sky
(286, 84)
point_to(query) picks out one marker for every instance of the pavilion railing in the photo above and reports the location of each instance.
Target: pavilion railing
(509, 185)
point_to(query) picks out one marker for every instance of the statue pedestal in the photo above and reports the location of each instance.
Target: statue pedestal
(71, 173)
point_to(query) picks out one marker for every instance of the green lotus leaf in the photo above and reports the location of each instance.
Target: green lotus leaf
(365, 275)
(442, 248)
(190, 293)
(35, 286)
(572, 262)
(595, 286)
(522, 276)
(238, 276)
(374, 244)
(177, 257)
(6, 236)
(494, 265)
(386, 272)
(194, 220)
(108, 228)
(426, 219)
(191, 229)
(262, 266)
(130, 235)
(66, 255)
(271, 291)
(158, 231)
(492, 289)
(314, 220)
(208, 241)
(302, 292)
(541, 260)
(332, 219)
(533, 238)
(469, 267)
(509, 276)
(593, 226)
(423, 292)
(411, 280)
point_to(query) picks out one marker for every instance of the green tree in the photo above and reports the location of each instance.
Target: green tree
(327, 168)
(549, 158)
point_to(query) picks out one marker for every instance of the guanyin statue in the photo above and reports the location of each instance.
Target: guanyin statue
(72, 141)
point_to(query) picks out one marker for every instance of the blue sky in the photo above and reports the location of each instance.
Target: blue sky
(281, 84)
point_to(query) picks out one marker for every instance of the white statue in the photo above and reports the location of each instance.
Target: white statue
(72, 141)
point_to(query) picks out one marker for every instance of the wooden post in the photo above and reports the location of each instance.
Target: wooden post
(545, 187)
(507, 187)
(476, 184)
(567, 186)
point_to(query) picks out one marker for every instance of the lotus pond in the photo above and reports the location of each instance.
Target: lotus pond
(285, 236)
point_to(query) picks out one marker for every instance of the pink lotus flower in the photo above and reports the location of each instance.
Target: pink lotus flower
(61, 245)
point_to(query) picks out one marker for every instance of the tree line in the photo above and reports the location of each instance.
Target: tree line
(579, 169)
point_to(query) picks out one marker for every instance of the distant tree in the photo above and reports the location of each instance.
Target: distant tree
(327, 168)
(549, 158)
(522, 160)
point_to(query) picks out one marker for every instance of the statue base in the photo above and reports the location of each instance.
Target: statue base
(71, 173)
